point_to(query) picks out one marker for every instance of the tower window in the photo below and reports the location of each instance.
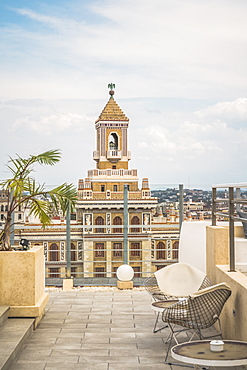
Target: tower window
(113, 141)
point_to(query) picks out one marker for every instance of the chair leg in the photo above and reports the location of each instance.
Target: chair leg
(169, 345)
(156, 321)
(201, 336)
(155, 324)
(171, 336)
(168, 337)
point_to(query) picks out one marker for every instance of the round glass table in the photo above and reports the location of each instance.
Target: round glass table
(198, 353)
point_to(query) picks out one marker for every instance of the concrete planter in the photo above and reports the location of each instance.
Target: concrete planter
(22, 282)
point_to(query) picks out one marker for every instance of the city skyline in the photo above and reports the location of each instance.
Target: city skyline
(179, 70)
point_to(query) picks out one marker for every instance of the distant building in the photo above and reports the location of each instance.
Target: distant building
(4, 204)
(101, 203)
(97, 233)
(193, 206)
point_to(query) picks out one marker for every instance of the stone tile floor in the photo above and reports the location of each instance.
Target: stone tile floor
(96, 329)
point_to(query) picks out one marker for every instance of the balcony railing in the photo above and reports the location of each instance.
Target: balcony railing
(111, 172)
(234, 201)
(96, 154)
(113, 154)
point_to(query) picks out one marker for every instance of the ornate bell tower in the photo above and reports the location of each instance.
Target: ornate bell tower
(107, 180)
(112, 136)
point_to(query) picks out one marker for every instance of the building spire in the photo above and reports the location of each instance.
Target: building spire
(111, 86)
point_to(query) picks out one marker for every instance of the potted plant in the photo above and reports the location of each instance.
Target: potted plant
(22, 274)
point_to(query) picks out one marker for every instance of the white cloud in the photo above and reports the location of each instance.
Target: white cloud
(179, 49)
(53, 124)
(59, 24)
(229, 111)
(164, 48)
(208, 151)
(142, 144)
(202, 147)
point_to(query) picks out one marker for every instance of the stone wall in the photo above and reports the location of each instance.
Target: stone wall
(233, 316)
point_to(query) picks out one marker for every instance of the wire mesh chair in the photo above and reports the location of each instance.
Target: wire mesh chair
(177, 281)
(199, 311)
(153, 287)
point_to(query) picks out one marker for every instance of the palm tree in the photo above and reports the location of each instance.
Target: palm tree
(23, 190)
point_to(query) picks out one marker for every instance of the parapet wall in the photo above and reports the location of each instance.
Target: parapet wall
(233, 316)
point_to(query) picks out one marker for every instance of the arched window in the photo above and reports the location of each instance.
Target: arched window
(160, 251)
(175, 250)
(113, 142)
(99, 221)
(73, 252)
(135, 221)
(117, 221)
(53, 252)
(2, 208)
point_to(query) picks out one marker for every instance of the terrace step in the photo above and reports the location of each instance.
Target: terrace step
(3, 314)
(13, 334)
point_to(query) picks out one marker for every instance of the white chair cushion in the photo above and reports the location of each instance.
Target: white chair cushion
(179, 279)
(210, 289)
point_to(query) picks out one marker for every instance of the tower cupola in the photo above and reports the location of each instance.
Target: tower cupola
(112, 136)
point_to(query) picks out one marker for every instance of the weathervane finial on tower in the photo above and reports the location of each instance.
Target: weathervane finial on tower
(111, 86)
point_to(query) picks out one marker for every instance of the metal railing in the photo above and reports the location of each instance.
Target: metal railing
(234, 201)
(81, 234)
(83, 258)
(99, 268)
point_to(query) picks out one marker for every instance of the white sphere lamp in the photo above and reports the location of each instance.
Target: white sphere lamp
(125, 272)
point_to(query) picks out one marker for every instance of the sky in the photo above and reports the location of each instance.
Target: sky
(179, 67)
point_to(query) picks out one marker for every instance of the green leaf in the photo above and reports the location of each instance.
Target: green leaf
(24, 190)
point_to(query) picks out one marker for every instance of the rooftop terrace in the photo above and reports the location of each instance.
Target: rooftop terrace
(107, 328)
(103, 329)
